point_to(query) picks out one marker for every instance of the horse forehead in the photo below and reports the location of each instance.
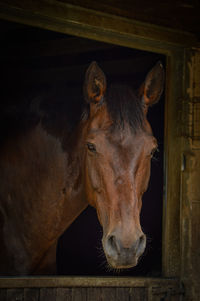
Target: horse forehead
(127, 138)
(121, 139)
(102, 126)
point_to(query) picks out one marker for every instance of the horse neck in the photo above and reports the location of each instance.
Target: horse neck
(75, 167)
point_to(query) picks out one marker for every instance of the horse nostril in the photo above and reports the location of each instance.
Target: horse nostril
(113, 245)
(141, 244)
(112, 241)
(142, 239)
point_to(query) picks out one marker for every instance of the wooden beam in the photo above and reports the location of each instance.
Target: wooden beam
(71, 19)
(14, 282)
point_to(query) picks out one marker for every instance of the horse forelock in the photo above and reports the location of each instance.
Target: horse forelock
(124, 107)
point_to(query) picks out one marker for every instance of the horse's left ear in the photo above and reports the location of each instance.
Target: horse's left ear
(153, 85)
(95, 84)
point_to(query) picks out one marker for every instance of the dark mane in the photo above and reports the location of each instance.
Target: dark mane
(124, 106)
(57, 108)
(59, 111)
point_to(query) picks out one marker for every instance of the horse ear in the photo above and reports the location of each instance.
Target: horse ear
(95, 84)
(153, 85)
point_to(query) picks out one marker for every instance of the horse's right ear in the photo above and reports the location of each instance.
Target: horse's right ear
(95, 84)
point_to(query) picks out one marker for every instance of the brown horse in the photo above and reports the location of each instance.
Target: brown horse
(50, 172)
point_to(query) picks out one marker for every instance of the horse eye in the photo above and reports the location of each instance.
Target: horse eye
(91, 147)
(154, 151)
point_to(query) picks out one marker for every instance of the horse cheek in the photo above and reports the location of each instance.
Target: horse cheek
(92, 181)
(142, 179)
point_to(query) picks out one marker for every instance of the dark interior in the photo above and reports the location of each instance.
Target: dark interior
(33, 59)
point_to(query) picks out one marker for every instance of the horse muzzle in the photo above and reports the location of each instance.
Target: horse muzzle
(122, 254)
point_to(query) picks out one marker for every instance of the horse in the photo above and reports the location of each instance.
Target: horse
(52, 170)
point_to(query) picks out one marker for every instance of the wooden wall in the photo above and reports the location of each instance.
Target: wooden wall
(182, 213)
(190, 178)
(91, 289)
(179, 14)
(74, 294)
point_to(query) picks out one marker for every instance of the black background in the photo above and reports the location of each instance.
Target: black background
(79, 249)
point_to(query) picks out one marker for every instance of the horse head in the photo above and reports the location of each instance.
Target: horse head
(119, 145)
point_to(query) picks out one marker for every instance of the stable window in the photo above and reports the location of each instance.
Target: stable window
(130, 39)
(38, 60)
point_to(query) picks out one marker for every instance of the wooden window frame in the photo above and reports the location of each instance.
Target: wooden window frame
(85, 23)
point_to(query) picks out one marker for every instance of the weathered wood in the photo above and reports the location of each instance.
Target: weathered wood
(94, 293)
(171, 207)
(195, 250)
(101, 294)
(50, 282)
(171, 243)
(108, 294)
(63, 294)
(79, 294)
(175, 298)
(138, 294)
(122, 294)
(190, 188)
(48, 294)
(15, 294)
(166, 13)
(89, 294)
(3, 294)
(31, 294)
(85, 23)
(166, 293)
(75, 20)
